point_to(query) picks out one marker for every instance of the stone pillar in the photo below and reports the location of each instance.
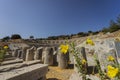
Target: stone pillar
(15, 52)
(63, 60)
(24, 50)
(113, 53)
(48, 56)
(55, 55)
(38, 53)
(20, 53)
(82, 56)
(83, 53)
(30, 54)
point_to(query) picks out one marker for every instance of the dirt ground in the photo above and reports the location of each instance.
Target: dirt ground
(55, 73)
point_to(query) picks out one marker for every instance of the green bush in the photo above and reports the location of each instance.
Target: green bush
(2, 54)
(16, 36)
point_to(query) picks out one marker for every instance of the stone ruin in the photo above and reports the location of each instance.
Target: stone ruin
(23, 63)
(103, 48)
(38, 53)
(26, 56)
(28, 62)
(30, 54)
(47, 57)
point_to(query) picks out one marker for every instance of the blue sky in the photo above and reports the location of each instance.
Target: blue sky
(43, 18)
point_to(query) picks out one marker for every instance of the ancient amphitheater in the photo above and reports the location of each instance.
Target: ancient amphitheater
(30, 59)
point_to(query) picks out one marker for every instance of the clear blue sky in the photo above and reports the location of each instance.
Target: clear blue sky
(43, 18)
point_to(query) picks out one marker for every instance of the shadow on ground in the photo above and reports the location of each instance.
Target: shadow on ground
(70, 66)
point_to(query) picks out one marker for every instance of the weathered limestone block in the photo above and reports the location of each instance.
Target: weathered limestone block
(38, 53)
(55, 55)
(71, 58)
(82, 55)
(107, 48)
(30, 53)
(15, 53)
(48, 56)
(117, 50)
(24, 50)
(33, 72)
(20, 53)
(63, 60)
(113, 53)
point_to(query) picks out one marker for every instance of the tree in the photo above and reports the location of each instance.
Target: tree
(105, 30)
(96, 32)
(113, 26)
(90, 32)
(6, 38)
(31, 37)
(118, 20)
(82, 34)
(15, 36)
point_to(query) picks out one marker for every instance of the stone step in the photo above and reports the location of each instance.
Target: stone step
(11, 58)
(11, 62)
(32, 62)
(9, 67)
(33, 72)
(7, 55)
(6, 68)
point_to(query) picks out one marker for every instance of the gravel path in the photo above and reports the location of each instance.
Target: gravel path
(55, 73)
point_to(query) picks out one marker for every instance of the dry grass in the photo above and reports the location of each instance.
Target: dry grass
(55, 73)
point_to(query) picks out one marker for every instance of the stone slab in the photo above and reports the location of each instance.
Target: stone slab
(33, 72)
(6, 68)
(32, 62)
(12, 62)
(11, 58)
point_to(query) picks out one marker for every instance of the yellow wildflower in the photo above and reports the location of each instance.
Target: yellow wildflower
(64, 49)
(5, 47)
(110, 58)
(83, 61)
(112, 71)
(89, 41)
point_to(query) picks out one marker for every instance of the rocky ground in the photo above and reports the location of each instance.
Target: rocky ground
(55, 73)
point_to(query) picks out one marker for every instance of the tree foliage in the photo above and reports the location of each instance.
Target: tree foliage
(114, 26)
(5, 38)
(16, 36)
(31, 37)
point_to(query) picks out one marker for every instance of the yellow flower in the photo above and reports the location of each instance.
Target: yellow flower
(112, 71)
(89, 41)
(5, 47)
(64, 49)
(83, 61)
(110, 58)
